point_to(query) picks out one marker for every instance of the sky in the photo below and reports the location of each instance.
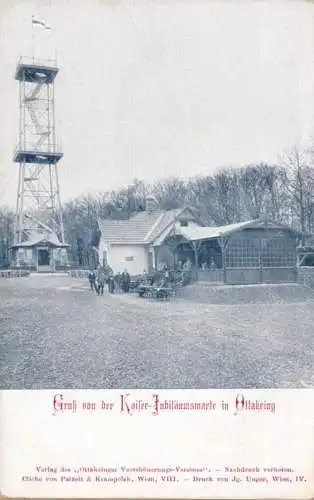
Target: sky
(160, 89)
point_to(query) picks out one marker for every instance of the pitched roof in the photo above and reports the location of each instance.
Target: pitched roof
(194, 232)
(142, 228)
(163, 222)
(42, 238)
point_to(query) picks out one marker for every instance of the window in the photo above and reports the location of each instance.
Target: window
(243, 252)
(129, 259)
(279, 253)
(255, 252)
(184, 223)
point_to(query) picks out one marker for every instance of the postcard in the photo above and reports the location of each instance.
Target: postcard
(157, 249)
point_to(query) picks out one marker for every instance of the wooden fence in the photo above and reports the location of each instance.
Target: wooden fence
(306, 276)
(78, 273)
(14, 273)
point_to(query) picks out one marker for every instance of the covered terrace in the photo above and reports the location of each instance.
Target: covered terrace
(255, 251)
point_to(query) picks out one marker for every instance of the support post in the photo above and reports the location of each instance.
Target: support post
(195, 259)
(53, 259)
(155, 254)
(196, 245)
(223, 243)
(260, 263)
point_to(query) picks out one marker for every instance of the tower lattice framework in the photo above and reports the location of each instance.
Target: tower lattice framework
(38, 153)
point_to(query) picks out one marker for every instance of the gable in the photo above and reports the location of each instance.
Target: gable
(186, 215)
(170, 217)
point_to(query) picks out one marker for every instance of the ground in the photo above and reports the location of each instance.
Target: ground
(56, 333)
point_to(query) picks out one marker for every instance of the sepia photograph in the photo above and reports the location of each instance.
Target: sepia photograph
(156, 194)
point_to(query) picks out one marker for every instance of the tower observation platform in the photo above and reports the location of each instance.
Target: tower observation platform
(37, 141)
(33, 70)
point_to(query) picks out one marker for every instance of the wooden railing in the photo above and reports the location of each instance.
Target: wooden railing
(78, 273)
(14, 273)
(210, 275)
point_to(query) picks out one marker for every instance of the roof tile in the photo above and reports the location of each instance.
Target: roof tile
(142, 228)
(130, 231)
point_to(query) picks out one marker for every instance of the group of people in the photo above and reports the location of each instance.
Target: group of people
(164, 278)
(160, 280)
(104, 275)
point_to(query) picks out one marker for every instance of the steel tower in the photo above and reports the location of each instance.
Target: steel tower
(38, 153)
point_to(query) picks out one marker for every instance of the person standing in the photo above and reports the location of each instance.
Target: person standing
(101, 279)
(125, 277)
(118, 282)
(166, 272)
(92, 280)
(110, 279)
(179, 266)
(212, 264)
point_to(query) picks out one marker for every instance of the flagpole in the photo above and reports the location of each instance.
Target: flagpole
(33, 53)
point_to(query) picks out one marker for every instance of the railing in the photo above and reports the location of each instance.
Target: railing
(210, 275)
(35, 61)
(41, 148)
(78, 273)
(14, 273)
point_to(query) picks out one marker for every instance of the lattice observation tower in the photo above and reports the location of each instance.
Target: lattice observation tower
(39, 230)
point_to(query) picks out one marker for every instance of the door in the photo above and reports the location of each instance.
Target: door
(43, 257)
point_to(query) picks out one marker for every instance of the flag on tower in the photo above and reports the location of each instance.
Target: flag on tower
(38, 22)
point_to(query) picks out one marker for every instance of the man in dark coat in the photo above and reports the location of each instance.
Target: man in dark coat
(125, 278)
(92, 280)
(101, 279)
(110, 279)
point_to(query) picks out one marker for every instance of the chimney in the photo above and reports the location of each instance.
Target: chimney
(151, 203)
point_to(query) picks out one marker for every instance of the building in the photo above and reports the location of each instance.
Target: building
(256, 251)
(138, 243)
(41, 252)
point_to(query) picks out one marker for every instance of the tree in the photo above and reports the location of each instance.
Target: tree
(227, 208)
(260, 187)
(6, 234)
(299, 181)
(171, 193)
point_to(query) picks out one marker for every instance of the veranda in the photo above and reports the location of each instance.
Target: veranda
(245, 253)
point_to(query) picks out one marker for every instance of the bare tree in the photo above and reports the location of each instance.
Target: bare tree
(299, 181)
(171, 193)
(6, 233)
(226, 208)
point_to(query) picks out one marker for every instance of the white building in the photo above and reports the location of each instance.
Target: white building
(137, 244)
